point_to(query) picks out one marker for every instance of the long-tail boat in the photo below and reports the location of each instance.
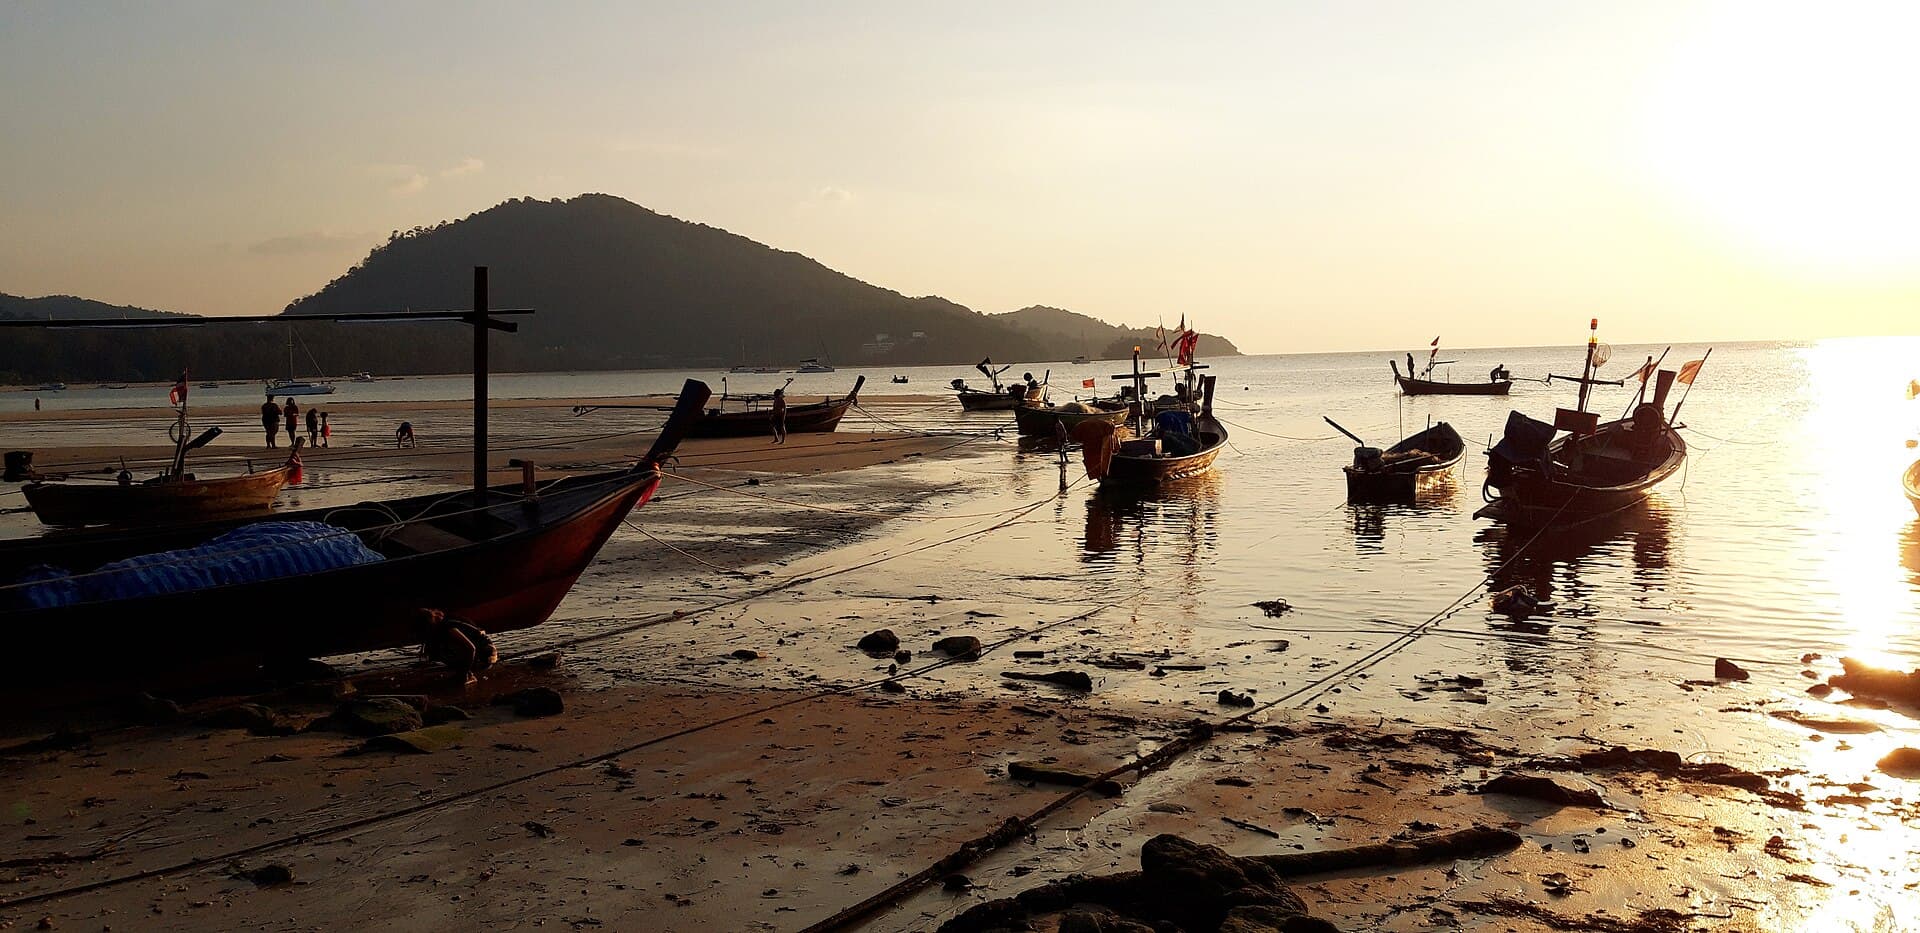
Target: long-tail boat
(1041, 420)
(756, 420)
(174, 496)
(1000, 398)
(503, 562)
(1395, 474)
(1498, 383)
(1172, 444)
(1593, 469)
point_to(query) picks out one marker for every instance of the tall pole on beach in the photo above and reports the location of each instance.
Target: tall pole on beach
(480, 336)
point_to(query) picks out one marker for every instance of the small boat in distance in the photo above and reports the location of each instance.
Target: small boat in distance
(813, 365)
(209, 385)
(900, 380)
(1395, 474)
(362, 376)
(1080, 360)
(51, 387)
(743, 368)
(756, 420)
(292, 386)
(1498, 383)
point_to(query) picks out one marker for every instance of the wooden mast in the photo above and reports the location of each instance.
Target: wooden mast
(480, 325)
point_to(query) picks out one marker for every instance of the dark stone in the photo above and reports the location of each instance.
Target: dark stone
(436, 715)
(963, 647)
(883, 641)
(1198, 885)
(1820, 690)
(1273, 607)
(249, 716)
(902, 656)
(544, 662)
(1072, 680)
(1902, 762)
(415, 700)
(373, 716)
(152, 710)
(269, 875)
(1724, 669)
(533, 701)
(746, 654)
(1542, 789)
(1230, 698)
(893, 686)
(957, 883)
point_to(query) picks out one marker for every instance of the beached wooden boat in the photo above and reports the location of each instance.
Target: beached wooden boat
(1413, 385)
(1593, 469)
(1912, 483)
(757, 421)
(503, 563)
(170, 498)
(1035, 420)
(1159, 456)
(1395, 474)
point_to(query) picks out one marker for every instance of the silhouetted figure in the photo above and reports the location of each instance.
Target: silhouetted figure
(36, 404)
(779, 416)
(292, 413)
(1410, 372)
(313, 428)
(326, 431)
(270, 419)
(403, 436)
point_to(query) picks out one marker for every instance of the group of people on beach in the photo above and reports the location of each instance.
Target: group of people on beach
(319, 432)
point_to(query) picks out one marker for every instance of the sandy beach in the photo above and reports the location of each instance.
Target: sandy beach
(723, 756)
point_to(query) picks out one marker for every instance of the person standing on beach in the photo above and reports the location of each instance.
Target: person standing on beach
(270, 419)
(326, 431)
(313, 428)
(779, 416)
(292, 413)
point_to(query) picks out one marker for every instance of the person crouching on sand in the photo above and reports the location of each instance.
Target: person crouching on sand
(270, 419)
(403, 437)
(779, 416)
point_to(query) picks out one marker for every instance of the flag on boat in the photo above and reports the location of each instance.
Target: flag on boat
(178, 394)
(1643, 373)
(1086, 383)
(1187, 342)
(1913, 389)
(1690, 370)
(1435, 343)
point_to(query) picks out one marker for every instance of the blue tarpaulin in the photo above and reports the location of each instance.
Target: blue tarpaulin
(251, 553)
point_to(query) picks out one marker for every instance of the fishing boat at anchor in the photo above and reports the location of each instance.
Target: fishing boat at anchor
(1036, 419)
(176, 495)
(1395, 474)
(1543, 476)
(756, 418)
(1499, 381)
(1000, 398)
(1172, 444)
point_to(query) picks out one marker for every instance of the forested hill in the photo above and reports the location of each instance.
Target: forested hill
(615, 286)
(1098, 339)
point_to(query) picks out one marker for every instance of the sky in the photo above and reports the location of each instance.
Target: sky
(1297, 176)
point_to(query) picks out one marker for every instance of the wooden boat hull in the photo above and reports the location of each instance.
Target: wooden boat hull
(1534, 497)
(1911, 481)
(1401, 485)
(815, 418)
(512, 581)
(1411, 386)
(1038, 421)
(68, 504)
(976, 400)
(504, 563)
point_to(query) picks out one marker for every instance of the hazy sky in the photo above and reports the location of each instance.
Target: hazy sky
(1337, 175)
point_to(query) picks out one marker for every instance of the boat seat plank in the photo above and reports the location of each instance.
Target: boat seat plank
(425, 538)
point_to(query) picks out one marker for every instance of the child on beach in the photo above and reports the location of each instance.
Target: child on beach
(313, 428)
(326, 431)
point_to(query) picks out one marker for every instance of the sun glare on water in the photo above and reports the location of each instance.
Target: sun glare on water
(1791, 127)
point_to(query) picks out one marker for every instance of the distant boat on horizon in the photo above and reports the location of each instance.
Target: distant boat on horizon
(51, 387)
(813, 365)
(362, 376)
(292, 386)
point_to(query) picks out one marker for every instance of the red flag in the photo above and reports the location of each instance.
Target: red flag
(1644, 373)
(178, 394)
(1689, 371)
(1435, 343)
(1187, 342)
(1086, 383)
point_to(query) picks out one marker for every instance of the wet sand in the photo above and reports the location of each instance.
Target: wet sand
(687, 787)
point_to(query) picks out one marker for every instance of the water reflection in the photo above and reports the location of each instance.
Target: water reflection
(1175, 524)
(1369, 519)
(1570, 565)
